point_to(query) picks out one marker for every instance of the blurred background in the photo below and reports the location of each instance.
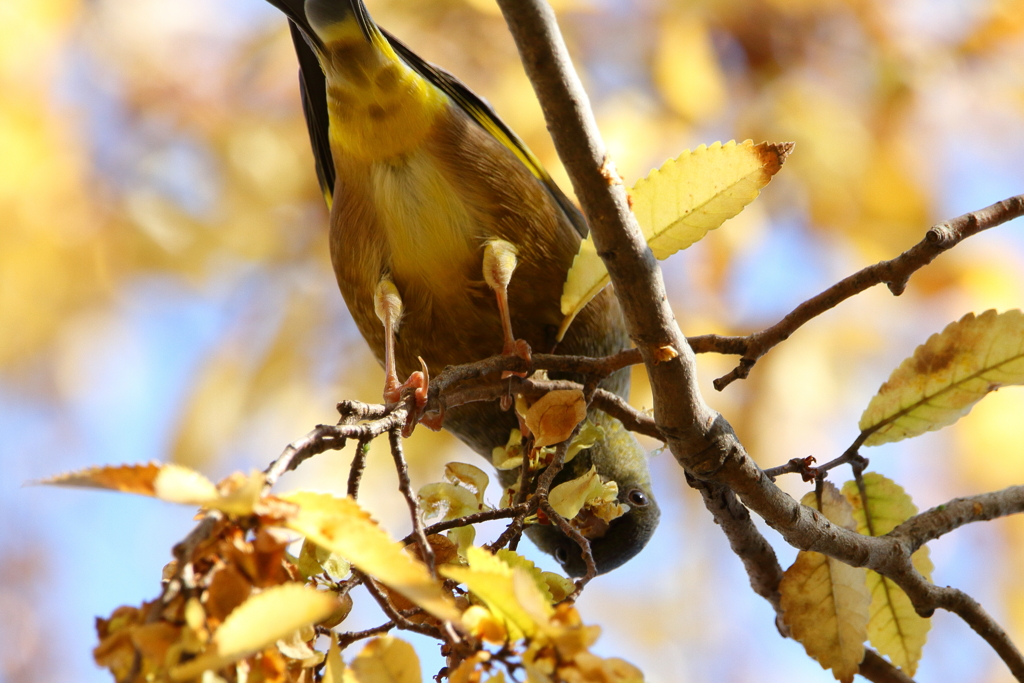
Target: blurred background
(165, 291)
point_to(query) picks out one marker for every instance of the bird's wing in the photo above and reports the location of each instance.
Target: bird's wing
(313, 87)
(481, 112)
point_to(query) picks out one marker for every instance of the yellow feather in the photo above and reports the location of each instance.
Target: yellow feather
(379, 108)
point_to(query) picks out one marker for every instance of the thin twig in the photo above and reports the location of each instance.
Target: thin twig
(333, 437)
(346, 639)
(895, 273)
(467, 520)
(405, 486)
(401, 621)
(356, 469)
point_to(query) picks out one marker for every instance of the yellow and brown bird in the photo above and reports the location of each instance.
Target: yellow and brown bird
(423, 180)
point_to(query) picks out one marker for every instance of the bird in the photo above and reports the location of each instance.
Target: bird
(423, 180)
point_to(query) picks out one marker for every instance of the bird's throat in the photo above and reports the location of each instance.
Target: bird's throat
(379, 108)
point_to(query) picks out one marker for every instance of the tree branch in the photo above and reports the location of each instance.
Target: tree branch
(944, 518)
(895, 273)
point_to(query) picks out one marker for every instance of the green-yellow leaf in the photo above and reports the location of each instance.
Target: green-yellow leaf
(341, 526)
(569, 497)
(946, 376)
(490, 580)
(386, 660)
(275, 614)
(895, 629)
(677, 204)
(825, 602)
(334, 666)
(469, 476)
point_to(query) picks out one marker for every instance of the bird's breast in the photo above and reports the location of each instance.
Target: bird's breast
(432, 240)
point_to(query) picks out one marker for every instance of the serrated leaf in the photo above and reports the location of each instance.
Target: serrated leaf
(825, 602)
(490, 579)
(946, 376)
(237, 495)
(895, 628)
(386, 660)
(180, 483)
(275, 614)
(341, 526)
(677, 204)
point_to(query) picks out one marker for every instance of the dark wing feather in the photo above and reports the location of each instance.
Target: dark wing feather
(313, 86)
(483, 114)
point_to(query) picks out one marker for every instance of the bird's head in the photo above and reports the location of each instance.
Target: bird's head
(617, 456)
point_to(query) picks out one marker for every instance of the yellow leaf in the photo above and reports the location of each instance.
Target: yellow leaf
(386, 660)
(448, 499)
(341, 526)
(173, 483)
(313, 560)
(895, 628)
(553, 417)
(490, 580)
(334, 668)
(677, 204)
(259, 622)
(517, 561)
(946, 376)
(237, 495)
(470, 476)
(511, 455)
(569, 497)
(825, 602)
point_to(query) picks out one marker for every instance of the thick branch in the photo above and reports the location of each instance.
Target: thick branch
(942, 519)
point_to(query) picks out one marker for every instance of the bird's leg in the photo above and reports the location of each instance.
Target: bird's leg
(387, 304)
(499, 264)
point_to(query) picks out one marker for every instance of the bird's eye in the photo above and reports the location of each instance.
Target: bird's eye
(637, 498)
(561, 555)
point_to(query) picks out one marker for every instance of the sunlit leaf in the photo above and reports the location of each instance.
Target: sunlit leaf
(386, 660)
(259, 622)
(825, 602)
(946, 376)
(895, 628)
(490, 580)
(677, 204)
(169, 482)
(569, 497)
(341, 526)
(555, 415)
(334, 667)
(469, 476)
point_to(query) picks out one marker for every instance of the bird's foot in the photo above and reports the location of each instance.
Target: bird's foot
(419, 382)
(520, 349)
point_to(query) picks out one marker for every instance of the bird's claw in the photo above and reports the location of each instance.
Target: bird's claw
(519, 349)
(419, 382)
